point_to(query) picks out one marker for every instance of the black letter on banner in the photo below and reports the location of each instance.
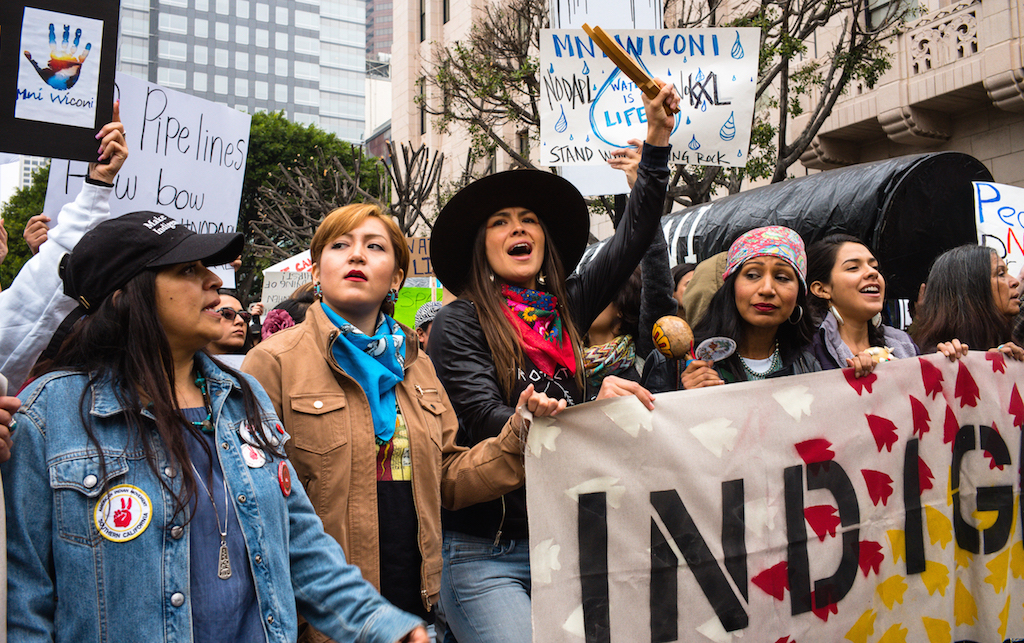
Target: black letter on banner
(699, 558)
(664, 589)
(796, 533)
(831, 476)
(593, 539)
(966, 535)
(998, 499)
(913, 525)
(734, 533)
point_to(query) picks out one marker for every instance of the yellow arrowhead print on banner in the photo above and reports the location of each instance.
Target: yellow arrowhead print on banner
(937, 629)
(863, 628)
(965, 610)
(999, 567)
(891, 590)
(935, 577)
(894, 634)
(940, 528)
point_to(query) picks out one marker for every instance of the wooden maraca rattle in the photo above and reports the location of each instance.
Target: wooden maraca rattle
(673, 337)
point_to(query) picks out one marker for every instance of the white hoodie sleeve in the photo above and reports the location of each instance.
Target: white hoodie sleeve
(35, 304)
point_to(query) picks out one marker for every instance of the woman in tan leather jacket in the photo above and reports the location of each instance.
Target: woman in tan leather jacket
(367, 415)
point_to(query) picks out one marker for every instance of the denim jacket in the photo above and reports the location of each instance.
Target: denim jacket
(70, 582)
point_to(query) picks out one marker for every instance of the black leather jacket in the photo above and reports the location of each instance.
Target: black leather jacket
(463, 361)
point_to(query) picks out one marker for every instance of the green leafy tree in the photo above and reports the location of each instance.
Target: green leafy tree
(24, 204)
(276, 143)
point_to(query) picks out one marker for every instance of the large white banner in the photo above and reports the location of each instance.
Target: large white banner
(186, 159)
(810, 508)
(590, 109)
(998, 211)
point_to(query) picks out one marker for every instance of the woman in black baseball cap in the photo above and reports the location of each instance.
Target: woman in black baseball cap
(149, 476)
(506, 245)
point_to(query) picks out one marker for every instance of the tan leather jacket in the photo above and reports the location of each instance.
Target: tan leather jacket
(334, 453)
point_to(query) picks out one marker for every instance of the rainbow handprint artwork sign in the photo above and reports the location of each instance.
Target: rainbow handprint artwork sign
(58, 78)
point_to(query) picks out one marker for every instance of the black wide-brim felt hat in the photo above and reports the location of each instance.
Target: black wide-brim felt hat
(110, 255)
(557, 203)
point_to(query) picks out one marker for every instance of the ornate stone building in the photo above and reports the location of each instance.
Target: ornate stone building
(957, 83)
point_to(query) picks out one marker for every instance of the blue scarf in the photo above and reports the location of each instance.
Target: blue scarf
(376, 363)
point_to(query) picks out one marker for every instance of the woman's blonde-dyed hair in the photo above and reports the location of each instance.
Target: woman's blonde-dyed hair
(348, 218)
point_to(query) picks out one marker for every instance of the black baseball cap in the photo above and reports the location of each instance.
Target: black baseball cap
(111, 254)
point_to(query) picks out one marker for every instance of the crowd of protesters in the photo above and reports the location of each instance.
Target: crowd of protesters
(178, 466)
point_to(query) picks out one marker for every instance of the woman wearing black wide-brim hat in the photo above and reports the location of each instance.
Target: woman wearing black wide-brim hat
(511, 343)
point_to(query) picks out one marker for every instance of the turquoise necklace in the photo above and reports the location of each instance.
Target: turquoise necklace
(206, 426)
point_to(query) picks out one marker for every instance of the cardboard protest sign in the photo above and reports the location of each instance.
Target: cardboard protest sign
(57, 71)
(281, 279)
(998, 210)
(818, 507)
(589, 108)
(186, 159)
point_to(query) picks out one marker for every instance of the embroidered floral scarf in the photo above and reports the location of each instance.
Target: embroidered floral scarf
(534, 315)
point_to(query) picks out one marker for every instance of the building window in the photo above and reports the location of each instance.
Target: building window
(199, 81)
(262, 64)
(307, 71)
(241, 88)
(262, 12)
(281, 41)
(241, 61)
(307, 96)
(242, 35)
(171, 77)
(281, 16)
(172, 50)
(421, 92)
(173, 24)
(200, 55)
(242, 9)
(281, 93)
(202, 5)
(220, 84)
(223, 7)
(220, 57)
(307, 20)
(221, 31)
(304, 45)
(261, 90)
(281, 67)
(262, 38)
(524, 144)
(423, 20)
(201, 28)
(446, 10)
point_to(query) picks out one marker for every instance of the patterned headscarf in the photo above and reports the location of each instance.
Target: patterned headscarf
(771, 241)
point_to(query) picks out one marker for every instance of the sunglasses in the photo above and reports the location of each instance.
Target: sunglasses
(229, 314)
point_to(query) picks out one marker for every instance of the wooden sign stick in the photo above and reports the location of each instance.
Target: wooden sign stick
(625, 62)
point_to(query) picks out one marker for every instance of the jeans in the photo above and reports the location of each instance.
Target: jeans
(485, 589)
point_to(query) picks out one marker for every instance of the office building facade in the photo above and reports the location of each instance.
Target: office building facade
(306, 57)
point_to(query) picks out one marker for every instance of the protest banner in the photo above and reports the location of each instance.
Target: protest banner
(998, 210)
(57, 62)
(818, 507)
(186, 159)
(589, 108)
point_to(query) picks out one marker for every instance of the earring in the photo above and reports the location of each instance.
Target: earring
(490, 276)
(835, 313)
(318, 292)
(877, 320)
(391, 297)
(542, 279)
(800, 315)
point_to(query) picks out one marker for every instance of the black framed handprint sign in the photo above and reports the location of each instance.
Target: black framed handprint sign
(57, 60)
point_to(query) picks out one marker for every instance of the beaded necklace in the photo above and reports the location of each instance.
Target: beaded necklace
(775, 365)
(206, 426)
